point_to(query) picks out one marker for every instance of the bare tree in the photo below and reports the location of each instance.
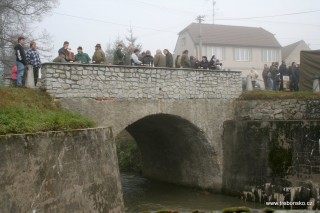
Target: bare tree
(16, 19)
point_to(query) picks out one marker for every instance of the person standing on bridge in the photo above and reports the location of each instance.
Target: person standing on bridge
(253, 76)
(148, 59)
(81, 57)
(33, 59)
(98, 57)
(21, 60)
(135, 58)
(61, 58)
(169, 58)
(265, 76)
(118, 56)
(159, 59)
(185, 61)
(67, 51)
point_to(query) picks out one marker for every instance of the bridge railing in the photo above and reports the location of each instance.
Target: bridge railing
(127, 82)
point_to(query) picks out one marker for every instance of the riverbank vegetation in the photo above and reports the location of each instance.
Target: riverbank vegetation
(28, 110)
(271, 95)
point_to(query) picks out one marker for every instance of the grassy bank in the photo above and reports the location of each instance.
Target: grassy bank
(272, 95)
(30, 110)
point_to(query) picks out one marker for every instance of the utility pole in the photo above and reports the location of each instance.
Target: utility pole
(213, 4)
(200, 20)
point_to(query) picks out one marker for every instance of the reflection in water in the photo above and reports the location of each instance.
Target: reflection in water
(141, 194)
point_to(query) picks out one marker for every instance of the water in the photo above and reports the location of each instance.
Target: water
(141, 194)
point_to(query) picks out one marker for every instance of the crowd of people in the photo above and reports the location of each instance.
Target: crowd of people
(135, 57)
(275, 77)
(281, 77)
(184, 61)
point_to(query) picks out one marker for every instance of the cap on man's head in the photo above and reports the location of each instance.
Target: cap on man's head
(21, 38)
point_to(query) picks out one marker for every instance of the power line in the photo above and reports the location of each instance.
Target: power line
(281, 22)
(271, 16)
(109, 22)
(200, 19)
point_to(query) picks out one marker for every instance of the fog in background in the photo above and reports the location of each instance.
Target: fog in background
(156, 24)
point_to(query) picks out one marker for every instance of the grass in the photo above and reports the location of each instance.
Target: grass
(272, 95)
(29, 111)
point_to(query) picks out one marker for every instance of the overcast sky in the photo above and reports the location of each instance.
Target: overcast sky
(157, 23)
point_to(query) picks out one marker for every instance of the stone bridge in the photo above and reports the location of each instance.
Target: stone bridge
(175, 115)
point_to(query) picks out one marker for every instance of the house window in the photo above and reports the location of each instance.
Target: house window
(242, 54)
(217, 51)
(270, 55)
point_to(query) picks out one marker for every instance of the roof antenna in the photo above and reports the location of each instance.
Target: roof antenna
(200, 19)
(213, 4)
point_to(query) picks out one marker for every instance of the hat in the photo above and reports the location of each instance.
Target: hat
(98, 45)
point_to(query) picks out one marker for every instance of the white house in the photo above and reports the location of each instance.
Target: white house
(291, 53)
(238, 48)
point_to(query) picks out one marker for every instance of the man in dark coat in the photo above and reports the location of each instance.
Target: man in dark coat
(275, 75)
(185, 61)
(21, 60)
(169, 58)
(265, 76)
(283, 71)
(148, 59)
(204, 63)
(295, 77)
(118, 56)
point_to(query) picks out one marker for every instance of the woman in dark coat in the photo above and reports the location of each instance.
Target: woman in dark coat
(212, 63)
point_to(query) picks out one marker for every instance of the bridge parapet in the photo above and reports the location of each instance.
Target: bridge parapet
(126, 82)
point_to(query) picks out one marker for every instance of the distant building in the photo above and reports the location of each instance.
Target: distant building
(238, 48)
(291, 53)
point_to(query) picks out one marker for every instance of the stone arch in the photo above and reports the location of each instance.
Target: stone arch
(175, 150)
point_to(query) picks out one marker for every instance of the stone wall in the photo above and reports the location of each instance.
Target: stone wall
(273, 161)
(290, 109)
(74, 171)
(271, 151)
(123, 82)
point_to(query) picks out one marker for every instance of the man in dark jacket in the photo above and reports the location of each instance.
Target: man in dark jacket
(275, 75)
(204, 63)
(185, 61)
(169, 58)
(283, 71)
(21, 60)
(148, 59)
(265, 76)
(118, 56)
(67, 51)
(294, 77)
